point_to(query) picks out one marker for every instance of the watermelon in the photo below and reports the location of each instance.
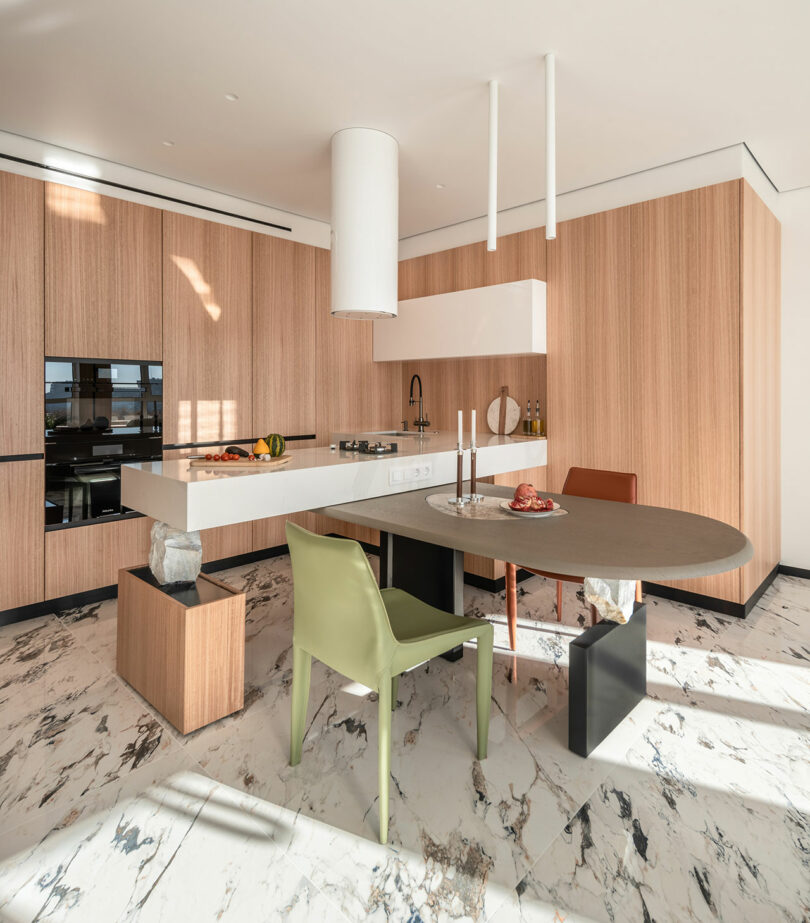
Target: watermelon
(276, 444)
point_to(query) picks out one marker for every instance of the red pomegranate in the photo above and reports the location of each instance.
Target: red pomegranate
(525, 491)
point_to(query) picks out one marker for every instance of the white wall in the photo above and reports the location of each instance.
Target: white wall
(794, 213)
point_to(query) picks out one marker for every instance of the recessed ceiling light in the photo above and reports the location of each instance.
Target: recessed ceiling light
(231, 97)
(168, 143)
(440, 185)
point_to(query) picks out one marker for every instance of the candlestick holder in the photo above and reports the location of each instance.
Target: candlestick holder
(460, 499)
(473, 496)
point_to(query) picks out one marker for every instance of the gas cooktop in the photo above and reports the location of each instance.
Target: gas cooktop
(364, 447)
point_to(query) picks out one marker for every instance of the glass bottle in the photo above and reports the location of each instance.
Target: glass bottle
(527, 421)
(536, 420)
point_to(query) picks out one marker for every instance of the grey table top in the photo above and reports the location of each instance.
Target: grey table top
(597, 538)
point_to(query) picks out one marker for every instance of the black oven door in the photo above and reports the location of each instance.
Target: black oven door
(84, 492)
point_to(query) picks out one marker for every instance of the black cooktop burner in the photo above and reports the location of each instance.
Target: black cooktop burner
(364, 447)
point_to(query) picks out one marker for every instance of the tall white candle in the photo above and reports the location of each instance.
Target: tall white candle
(472, 428)
(460, 432)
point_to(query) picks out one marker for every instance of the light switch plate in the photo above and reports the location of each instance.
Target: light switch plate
(410, 474)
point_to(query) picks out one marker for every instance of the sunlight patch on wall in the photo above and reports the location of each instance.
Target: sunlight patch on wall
(191, 271)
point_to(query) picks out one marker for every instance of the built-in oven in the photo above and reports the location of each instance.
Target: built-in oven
(99, 414)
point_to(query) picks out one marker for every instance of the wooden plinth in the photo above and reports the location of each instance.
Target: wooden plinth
(182, 650)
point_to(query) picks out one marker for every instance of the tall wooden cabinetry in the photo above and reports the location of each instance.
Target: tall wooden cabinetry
(207, 355)
(663, 331)
(22, 515)
(102, 276)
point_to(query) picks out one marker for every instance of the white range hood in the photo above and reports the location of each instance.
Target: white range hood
(496, 320)
(365, 223)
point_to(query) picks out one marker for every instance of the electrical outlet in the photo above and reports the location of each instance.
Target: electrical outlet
(409, 474)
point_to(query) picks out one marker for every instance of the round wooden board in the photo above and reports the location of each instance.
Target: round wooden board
(512, 415)
(242, 463)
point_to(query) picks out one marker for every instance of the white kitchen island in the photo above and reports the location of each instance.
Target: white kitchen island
(202, 498)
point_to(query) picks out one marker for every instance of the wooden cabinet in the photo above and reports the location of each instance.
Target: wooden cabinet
(207, 325)
(22, 521)
(102, 276)
(21, 315)
(662, 340)
(89, 557)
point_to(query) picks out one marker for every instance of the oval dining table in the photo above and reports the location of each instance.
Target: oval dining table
(422, 551)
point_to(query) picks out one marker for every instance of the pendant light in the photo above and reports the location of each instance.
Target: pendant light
(551, 151)
(365, 223)
(492, 204)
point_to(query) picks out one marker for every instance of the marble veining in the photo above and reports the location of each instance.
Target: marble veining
(696, 808)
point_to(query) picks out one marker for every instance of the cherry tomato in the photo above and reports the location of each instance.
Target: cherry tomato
(251, 457)
(208, 457)
(216, 458)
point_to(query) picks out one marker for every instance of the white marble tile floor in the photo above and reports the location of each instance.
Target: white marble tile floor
(696, 808)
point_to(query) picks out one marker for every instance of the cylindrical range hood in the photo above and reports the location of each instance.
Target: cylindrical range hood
(365, 223)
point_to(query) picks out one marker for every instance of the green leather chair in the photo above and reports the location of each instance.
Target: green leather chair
(369, 635)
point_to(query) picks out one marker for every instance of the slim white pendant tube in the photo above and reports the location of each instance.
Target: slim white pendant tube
(492, 205)
(365, 223)
(551, 151)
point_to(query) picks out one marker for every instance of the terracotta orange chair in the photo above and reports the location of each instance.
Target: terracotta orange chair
(581, 482)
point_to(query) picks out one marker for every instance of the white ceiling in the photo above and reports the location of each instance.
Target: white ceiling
(640, 83)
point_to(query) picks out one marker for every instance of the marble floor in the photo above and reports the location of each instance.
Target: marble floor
(696, 808)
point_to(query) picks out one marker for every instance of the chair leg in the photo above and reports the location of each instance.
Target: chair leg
(483, 690)
(302, 667)
(384, 752)
(638, 591)
(559, 600)
(511, 603)
(394, 691)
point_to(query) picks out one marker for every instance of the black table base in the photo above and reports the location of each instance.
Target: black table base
(608, 662)
(607, 678)
(431, 573)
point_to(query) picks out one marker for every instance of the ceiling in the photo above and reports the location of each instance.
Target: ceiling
(640, 83)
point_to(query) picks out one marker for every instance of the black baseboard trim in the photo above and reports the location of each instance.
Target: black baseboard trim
(55, 606)
(789, 571)
(712, 603)
(494, 585)
(237, 560)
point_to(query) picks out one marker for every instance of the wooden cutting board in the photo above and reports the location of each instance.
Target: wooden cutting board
(503, 414)
(242, 463)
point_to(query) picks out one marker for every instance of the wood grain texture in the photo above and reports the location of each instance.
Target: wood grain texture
(760, 255)
(354, 392)
(22, 520)
(103, 276)
(285, 359)
(22, 327)
(643, 353)
(208, 331)
(188, 662)
(89, 557)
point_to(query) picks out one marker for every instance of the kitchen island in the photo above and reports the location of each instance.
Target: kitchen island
(202, 498)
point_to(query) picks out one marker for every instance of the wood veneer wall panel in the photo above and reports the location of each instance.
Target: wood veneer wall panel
(760, 254)
(88, 557)
(21, 316)
(643, 353)
(208, 331)
(22, 520)
(102, 276)
(354, 392)
(284, 337)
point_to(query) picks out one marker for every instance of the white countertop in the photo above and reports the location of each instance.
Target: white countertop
(201, 498)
